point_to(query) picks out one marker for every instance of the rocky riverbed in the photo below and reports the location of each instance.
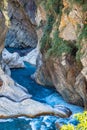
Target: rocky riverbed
(42, 94)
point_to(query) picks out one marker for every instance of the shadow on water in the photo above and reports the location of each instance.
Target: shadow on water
(21, 51)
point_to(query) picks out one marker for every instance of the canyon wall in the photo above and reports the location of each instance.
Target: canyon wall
(22, 31)
(62, 61)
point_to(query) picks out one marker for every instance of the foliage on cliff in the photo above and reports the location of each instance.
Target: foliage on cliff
(55, 45)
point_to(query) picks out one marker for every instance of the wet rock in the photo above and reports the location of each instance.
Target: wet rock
(13, 60)
(63, 109)
(12, 90)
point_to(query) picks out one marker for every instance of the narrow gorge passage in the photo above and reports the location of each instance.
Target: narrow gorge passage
(23, 77)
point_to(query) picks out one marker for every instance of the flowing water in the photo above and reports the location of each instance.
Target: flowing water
(41, 94)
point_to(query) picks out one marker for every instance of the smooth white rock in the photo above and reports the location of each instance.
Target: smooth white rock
(32, 56)
(13, 60)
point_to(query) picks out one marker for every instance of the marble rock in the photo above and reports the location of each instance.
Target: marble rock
(13, 60)
(15, 101)
(31, 56)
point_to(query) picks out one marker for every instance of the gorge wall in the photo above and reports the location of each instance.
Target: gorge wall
(22, 31)
(62, 61)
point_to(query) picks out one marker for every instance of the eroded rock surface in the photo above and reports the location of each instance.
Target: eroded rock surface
(22, 30)
(13, 60)
(57, 67)
(31, 56)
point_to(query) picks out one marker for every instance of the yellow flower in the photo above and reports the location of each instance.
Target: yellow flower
(82, 125)
(67, 127)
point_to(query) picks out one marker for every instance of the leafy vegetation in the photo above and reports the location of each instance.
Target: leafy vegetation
(56, 46)
(46, 40)
(59, 46)
(53, 8)
(82, 125)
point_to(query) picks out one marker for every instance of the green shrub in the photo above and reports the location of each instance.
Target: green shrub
(58, 46)
(54, 6)
(46, 40)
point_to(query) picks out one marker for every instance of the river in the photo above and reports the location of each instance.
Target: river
(42, 94)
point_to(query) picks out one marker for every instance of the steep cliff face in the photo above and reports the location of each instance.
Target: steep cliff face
(62, 60)
(22, 30)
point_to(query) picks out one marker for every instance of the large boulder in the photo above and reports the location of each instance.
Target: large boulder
(15, 101)
(13, 60)
(31, 56)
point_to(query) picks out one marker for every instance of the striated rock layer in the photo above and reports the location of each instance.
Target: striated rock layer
(22, 19)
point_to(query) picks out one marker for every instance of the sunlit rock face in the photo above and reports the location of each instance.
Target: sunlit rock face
(66, 74)
(3, 31)
(22, 31)
(69, 22)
